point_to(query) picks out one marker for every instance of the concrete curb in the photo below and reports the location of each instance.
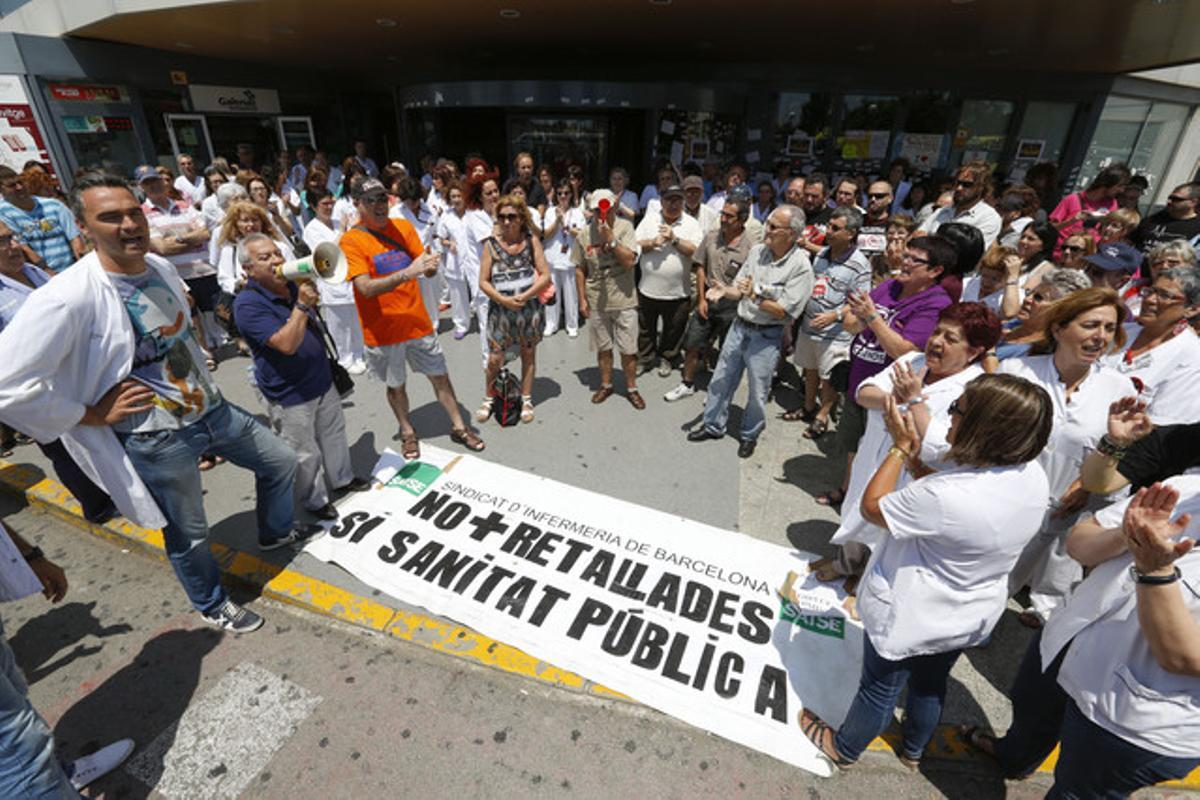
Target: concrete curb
(293, 587)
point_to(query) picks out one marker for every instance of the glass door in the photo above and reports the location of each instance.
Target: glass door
(189, 135)
(560, 141)
(296, 131)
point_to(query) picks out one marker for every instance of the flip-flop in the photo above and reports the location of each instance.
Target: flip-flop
(799, 415)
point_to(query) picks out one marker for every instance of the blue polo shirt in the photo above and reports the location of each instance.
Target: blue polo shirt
(284, 380)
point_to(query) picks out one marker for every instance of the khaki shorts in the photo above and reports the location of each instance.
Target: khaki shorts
(620, 327)
(820, 354)
(388, 363)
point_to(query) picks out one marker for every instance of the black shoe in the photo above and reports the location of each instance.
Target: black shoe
(232, 617)
(299, 534)
(702, 434)
(325, 512)
(746, 448)
(356, 485)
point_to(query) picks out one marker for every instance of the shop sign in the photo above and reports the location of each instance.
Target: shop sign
(87, 93)
(20, 138)
(234, 99)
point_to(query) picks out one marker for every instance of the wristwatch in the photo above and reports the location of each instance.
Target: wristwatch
(35, 554)
(1107, 447)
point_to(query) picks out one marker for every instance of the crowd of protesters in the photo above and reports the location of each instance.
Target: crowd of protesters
(1012, 374)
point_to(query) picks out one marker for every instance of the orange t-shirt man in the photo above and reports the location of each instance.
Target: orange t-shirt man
(396, 316)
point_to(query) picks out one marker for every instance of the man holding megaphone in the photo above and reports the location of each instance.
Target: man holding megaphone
(385, 258)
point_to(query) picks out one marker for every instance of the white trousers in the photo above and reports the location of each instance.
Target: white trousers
(346, 331)
(566, 299)
(460, 303)
(431, 294)
(316, 430)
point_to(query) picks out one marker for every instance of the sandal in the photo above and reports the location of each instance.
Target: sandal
(602, 394)
(824, 570)
(206, 462)
(799, 415)
(410, 447)
(484, 411)
(467, 438)
(635, 399)
(820, 734)
(817, 429)
(833, 498)
(526, 409)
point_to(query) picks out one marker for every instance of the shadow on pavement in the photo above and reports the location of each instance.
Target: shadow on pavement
(813, 536)
(39, 642)
(141, 700)
(813, 473)
(22, 476)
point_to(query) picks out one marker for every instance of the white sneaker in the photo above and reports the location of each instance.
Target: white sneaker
(357, 368)
(548, 332)
(88, 769)
(664, 368)
(679, 392)
(572, 334)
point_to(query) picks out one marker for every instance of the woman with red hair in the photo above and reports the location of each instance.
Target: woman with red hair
(483, 190)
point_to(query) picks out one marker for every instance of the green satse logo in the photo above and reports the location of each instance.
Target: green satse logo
(822, 626)
(415, 477)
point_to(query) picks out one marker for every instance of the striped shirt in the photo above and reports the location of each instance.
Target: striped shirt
(48, 228)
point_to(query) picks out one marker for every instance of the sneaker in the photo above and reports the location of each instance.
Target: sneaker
(664, 369)
(232, 617)
(299, 534)
(573, 334)
(460, 335)
(357, 368)
(88, 769)
(548, 332)
(679, 392)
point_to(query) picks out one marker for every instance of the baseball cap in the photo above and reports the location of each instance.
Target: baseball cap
(602, 194)
(371, 187)
(145, 173)
(673, 189)
(1116, 256)
(693, 182)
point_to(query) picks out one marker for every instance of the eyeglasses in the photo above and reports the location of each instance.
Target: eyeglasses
(1178, 198)
(508, 217)
(1072, 248)
(956, 407)
(773, 226)
(375, 200)
(1162, 295)
(728, 215)
(915, 259)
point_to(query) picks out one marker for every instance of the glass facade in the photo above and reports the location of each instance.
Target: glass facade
(1142, 133)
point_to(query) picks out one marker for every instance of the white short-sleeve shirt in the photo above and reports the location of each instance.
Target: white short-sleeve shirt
(938, 581)
(1079, 422)
(1110, 672)
(666, 272)
(1169, 375)
(558, 246)
(316, 233)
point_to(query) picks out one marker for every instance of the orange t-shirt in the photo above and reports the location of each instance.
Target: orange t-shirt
(395, 316)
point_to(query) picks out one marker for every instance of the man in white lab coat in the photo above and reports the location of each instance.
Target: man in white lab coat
(122, 381)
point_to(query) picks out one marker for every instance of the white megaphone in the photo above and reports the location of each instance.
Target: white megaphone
(327, 263)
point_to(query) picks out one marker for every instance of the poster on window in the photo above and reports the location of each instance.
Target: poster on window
(21, 140)
(679, 615)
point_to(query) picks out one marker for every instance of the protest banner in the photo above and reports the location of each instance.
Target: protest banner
(679, 615)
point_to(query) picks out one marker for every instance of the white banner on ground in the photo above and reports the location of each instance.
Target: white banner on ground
(679, 615)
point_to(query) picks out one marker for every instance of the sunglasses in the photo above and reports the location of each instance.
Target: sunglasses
(1178, 198)
(508, 217)
(879, 196)
(956, 407)
(965, 184)
(1072, 248)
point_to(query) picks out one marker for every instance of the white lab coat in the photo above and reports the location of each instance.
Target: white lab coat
(47, 382)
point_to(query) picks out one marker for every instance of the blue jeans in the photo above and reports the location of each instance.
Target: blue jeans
(28, 766)
(166, 463)
(755, 351)
(1038, 705)
(1094, 763)
(878, 689)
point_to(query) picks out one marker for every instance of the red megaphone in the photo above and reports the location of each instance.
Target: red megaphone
(604, 206)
